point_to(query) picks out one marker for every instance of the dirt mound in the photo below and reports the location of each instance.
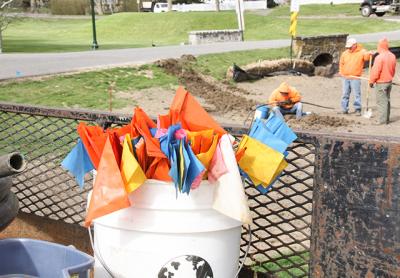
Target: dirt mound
(315, 121)
(222, 98)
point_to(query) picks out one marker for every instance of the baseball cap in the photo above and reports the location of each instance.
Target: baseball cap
(350, 42)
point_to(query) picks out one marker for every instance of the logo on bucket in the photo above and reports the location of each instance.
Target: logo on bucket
(186, 266)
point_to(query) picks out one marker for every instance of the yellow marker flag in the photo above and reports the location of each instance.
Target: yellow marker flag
(206, 157)
(262, 163)
(293, 24)
(131, 172)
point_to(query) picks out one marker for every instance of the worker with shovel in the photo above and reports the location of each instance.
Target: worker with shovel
(286, 100)
(351, 66)
(382, 74)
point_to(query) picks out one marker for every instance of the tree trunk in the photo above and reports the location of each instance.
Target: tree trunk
(98, 7)
(169, 5)
(33, 6)
(1, 41)
(217, 8)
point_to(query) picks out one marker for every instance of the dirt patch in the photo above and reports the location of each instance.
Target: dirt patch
(220, 97)
(317, 122)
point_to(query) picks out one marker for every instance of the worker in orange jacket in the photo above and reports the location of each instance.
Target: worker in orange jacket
(286, 100)
(382, 74)
(351, 66)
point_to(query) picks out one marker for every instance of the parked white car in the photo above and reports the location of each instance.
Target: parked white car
(160, 7)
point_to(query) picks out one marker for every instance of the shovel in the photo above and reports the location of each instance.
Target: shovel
(368, 112)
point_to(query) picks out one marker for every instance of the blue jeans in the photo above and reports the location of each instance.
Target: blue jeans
(351, 85)
(296, 109)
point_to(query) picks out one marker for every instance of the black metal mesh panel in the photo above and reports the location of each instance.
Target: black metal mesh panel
(44, 189)
(281, 227)
(282, 218)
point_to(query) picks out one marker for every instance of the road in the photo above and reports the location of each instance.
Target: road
(25, 65)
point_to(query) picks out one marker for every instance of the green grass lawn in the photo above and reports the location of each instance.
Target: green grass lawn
(85, 90)
(216, 65)
(125, 30)
(320, 10)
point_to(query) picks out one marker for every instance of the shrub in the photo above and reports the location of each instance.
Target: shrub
(69, 7)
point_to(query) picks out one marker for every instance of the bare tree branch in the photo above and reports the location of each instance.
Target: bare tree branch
(6, 3)
(5, 19)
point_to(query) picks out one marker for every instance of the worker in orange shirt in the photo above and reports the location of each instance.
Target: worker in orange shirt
(382, 74)
(351, 66)
(286, 100)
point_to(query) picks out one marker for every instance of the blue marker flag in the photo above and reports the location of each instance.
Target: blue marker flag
(263, 134)
(169, 139)
(78, 163)
(173, 171)
(280, 129)
(194, 167)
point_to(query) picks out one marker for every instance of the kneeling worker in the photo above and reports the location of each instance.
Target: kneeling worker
(286, 100)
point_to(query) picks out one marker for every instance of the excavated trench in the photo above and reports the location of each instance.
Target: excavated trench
(226, 98)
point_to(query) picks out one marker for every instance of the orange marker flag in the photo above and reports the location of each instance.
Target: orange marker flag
(188, 111)
(109, 193)
(93, 138)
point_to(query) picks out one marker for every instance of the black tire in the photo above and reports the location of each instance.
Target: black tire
(380, 14)
(366, 11)
(8, 210)
(5, 185)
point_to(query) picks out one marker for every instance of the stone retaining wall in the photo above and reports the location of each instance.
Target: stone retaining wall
(212, 36)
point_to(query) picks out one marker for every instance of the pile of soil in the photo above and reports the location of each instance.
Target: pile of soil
(218, 96)
(317, 122)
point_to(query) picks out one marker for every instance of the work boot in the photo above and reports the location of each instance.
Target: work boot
(343, 112)
(358, 112)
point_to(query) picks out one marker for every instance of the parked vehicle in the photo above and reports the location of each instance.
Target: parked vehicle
(160, 7)
(379, 7)
(153, 6)
(147, 5)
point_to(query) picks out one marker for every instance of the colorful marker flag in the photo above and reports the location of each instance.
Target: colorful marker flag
(78, 163)
(108, 193)
(132, 175)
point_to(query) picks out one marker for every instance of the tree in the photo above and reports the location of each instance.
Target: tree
(217, 8)
(5, 19)
(33, 6)
(169, 5)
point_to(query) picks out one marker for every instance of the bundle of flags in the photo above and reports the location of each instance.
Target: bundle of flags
(261, 153)
(184, 147)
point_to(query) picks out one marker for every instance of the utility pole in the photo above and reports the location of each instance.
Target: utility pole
(94, 44)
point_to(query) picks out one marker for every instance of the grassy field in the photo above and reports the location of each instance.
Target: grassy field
(216, 65)
(125, 30)
(85, 90)
(320, 10)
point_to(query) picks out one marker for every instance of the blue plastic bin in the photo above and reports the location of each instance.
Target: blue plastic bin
(261, 112)
(21, 257)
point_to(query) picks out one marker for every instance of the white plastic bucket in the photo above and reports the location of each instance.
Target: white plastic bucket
(163, 232)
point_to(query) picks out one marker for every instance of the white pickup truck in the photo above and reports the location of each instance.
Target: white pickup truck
(153, 6)
(379, 7)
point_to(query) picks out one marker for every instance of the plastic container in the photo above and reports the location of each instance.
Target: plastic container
(163, 234)
(30, 258)
(261, 112)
